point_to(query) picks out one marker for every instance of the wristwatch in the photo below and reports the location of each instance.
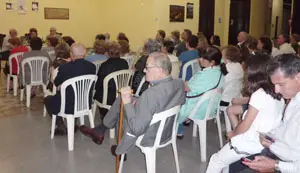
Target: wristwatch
(277, 169)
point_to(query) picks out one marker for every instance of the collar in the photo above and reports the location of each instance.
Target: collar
(213, 67)
(169, 78)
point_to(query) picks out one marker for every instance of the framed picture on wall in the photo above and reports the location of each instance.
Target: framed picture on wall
(189, 10)
(35, 6)
(8, 6)
(176, 13)
(57, 13)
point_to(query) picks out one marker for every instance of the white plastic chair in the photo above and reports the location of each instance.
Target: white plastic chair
(209, 96)
(195, 67)
(17, 57)
(137, 93)
(49, 92)
(150, 152)
(227, 121)
(98, 64)
(121, 79)
(130, 60)
(81, 85)
(36, 65)
(175, 69)
(51, 54)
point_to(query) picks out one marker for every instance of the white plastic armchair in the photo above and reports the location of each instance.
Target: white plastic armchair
(98, 64)
(17, 57)
(121, 79)
(82, 87)
(194, 64)
(175, 69)
(150, 152)
(130, 60)
(211, 97)
(36, 65)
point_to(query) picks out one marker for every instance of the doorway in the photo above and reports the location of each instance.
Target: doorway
(239, 19)
(207, 17)
(286, 16)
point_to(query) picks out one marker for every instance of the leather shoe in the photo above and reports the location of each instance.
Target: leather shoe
(113, 152)
(89, 132)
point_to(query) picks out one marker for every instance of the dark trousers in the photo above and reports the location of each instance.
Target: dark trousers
(238, 166)
(53, 108)
(4, 56)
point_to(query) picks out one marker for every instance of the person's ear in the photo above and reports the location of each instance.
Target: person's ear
(298, 77)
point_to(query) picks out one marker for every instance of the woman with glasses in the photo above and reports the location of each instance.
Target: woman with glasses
(264, 114)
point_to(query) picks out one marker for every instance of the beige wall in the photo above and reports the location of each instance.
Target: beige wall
(258, 17)
(222, 11)
(277, 10)
(79, 26)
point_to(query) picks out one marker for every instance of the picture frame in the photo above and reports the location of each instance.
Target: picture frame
(176, 13)
(190, 10)
(57, 13)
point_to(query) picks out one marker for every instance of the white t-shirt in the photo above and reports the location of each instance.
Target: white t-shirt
(173, 58)
(269, 117)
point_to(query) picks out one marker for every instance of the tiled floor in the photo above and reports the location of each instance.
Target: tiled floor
(26, 146)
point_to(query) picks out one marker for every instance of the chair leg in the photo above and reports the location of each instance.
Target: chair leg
(15, 85)
(150, 156)
(70, 123)
(112, 133)
(7, 83)
(45, 112)
(227, 122)
(91, 118)
(202, 138)
(94, 107)
(121, 163)
(81, 120)
(219, 130)
(28, 94)
(174, 145)
(194, 130)
(53, 126)
(22, 95)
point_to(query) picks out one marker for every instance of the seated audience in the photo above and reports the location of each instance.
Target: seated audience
(36, 45)
(233, 72)
(100, 47)
(69, 40)
(182, 46)
(160, 36)
(175, 38)
(53, 34)
(168, 48)
(112, 64)
(263, 115)
(265, 45)
(51, 44)
(202, 81)
(139, 111)
(283, 42)
(32, 34)
(6, 45)
(295, 40)
(100, 37)
(202, 44)
(149, 47)
(215, 41)
(122, 36)
(191, 54)
(281, 148)
(251, 44)
(76, 67)
(242, 38)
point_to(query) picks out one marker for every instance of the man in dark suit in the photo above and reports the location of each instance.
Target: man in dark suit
(76, 67)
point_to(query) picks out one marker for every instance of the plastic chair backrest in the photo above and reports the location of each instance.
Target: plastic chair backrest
(162, 118)
(121, 79)
(98, 64)
(137, 93)
(175, 69)
(81, 86)
(130, 60)
(36, 65)
(17, 57)
(194, 64)
(209, 96)
(52, 54)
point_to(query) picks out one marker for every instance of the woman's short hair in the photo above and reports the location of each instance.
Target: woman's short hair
(114, 49)
(152, 45)
(216, 40)
(267, 44)
(53, 41)
(193, 41)
(33, 30)
(257, 76)
(162, 33)
(169, 45)
(36, 43)
(124, 46)
(100, 47)
(251, 43)
(213, 54)
(62, 50)
(232, 53)
(69, 40)
(176, 34)
(15, 41)
(122, 36)
(100, 37)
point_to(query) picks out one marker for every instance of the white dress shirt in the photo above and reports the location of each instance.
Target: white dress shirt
(286, 48)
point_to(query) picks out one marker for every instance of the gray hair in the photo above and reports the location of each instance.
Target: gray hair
(151, 46)
(162, 60)
(78, 50)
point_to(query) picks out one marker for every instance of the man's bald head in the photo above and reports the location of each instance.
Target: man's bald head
(78, 51)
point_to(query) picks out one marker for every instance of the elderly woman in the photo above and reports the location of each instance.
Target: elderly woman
(51, 44)
(202, 81)
(114, 63)
(149, 47)
(100, 47)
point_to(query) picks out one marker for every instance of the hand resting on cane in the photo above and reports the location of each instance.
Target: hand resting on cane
(126, 94)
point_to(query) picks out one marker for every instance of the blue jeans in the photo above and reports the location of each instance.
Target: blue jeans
(180, 129)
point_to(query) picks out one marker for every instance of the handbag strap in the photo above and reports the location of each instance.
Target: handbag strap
(198, 95)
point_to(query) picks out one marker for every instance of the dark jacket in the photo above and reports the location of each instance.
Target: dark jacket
(106, 68)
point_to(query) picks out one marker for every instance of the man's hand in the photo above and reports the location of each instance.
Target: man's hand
(126, 94)
(230, 134)
(262, 164)
(265, 142)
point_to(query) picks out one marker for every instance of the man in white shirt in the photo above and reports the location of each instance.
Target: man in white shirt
(284, 72)
(284, 45)
(241, 38)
